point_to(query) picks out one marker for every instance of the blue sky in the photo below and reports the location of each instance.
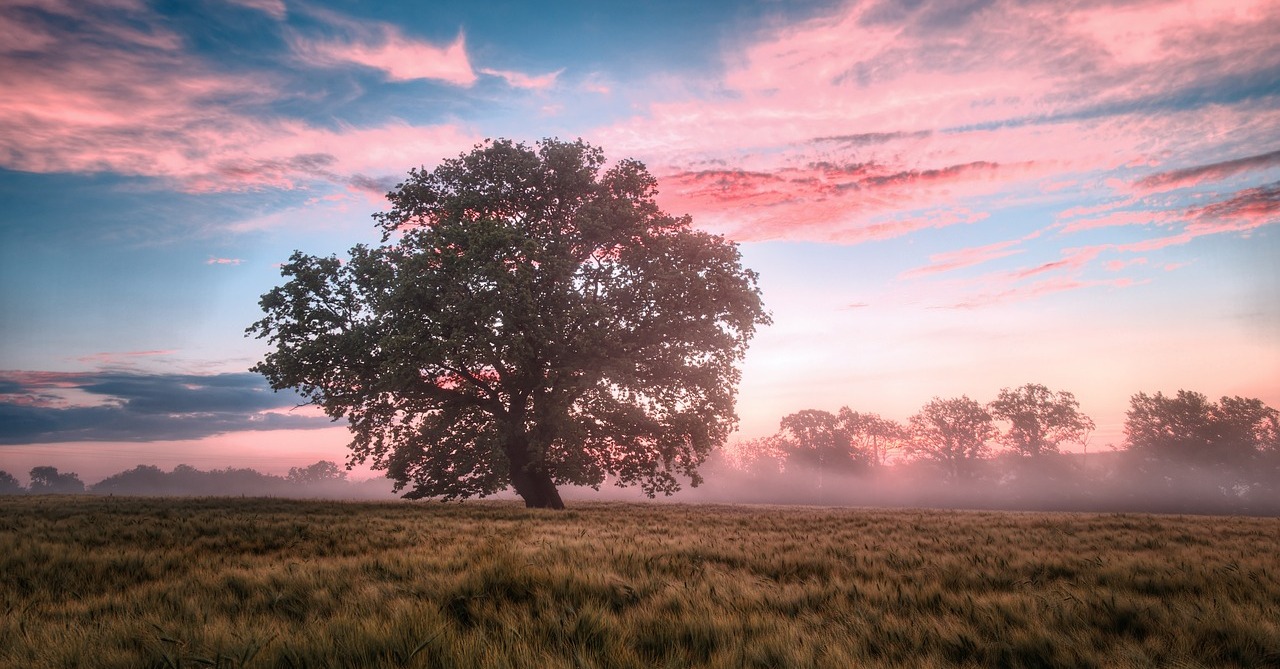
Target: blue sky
(942, 198)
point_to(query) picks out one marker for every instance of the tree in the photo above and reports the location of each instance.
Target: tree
(873, 435)
(952, 433)
(1190, 429)
(820, 440)
(141, 480)
(324, 471)
(1039, 419)
(531, 319)
(763, 457)
(47, 480)
(9, 484)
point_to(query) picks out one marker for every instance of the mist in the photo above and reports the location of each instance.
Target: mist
(1092, 488)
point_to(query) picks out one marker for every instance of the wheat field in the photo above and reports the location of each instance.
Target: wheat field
(132, 582)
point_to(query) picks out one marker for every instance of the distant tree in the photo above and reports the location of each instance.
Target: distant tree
(819, 440)
(1039, 419)
(953, 434)
(762, 457)
(537, 321)
(10, 485)
(324, 471)
(1199, 451)
(1189, 428)
(873, 435)
(141, 480)
(48, 480)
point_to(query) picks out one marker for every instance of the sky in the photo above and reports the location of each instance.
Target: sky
(941, 197)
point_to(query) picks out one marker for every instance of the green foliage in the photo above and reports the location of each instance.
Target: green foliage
(248, 583)
(531, 319)
(1039, 419)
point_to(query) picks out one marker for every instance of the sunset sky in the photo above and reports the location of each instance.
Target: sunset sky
(941, 197)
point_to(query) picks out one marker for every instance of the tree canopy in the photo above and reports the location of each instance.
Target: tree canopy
(324, 471)
(9, 484)
(1040, 420)
(1192, 429)
(532, 318)
(821, 440)
(953, 433)
(50, 480)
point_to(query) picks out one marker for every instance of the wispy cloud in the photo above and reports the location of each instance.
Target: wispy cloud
(966, 257)
(521, 80)
(273, 8)
(118, 358)
(385, 48)
(223, 261)
(1198, 174)
(819, 128)
(1019, 293)
(101, 86)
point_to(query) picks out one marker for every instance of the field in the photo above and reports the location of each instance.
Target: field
(128, 582)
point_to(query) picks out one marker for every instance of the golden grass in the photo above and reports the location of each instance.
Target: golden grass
(120, 582)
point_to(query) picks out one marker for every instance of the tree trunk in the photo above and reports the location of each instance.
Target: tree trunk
(536, 488)
(532, 483)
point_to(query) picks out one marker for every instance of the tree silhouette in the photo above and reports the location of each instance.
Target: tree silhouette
(1039, 419)
(321, 472)
(872, 434)
(953, 434)
(49, 480)
(9, 485)
(1190, 429)
(820, 440)
(531, 319)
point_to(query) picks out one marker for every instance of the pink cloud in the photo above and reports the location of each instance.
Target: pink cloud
(1192, 176)
(1075, 259)
(1118, 219)
(521, 80)
(223, 261)
(596, 83)
(1037, 290)
(1245, 210)
(383, 47)
(1117, 265)
(830, 201)
(1028, 99)
(124, 96)
(961, 258)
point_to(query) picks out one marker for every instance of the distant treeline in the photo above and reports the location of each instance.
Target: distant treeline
(1181, 453)
(322, 479)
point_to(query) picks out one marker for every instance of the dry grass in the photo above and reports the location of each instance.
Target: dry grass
(117, 582)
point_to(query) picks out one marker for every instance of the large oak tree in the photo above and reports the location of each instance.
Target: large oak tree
(530, 319)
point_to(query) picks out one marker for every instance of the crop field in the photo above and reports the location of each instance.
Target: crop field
(130, 582)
